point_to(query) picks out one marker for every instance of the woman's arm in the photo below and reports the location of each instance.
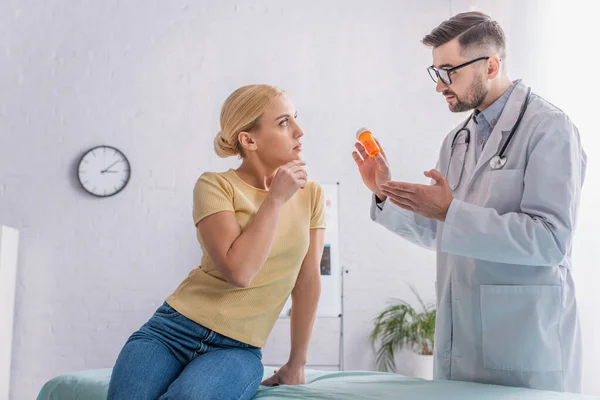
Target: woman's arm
(305, 299)
(240, 255)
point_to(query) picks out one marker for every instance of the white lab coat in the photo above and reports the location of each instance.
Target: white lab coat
(506, 307)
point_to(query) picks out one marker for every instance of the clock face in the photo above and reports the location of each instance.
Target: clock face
(103, 171)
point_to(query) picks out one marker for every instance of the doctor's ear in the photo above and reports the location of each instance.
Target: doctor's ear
(493, 67)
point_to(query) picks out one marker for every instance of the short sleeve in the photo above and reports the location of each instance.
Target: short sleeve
(318, 217)
(212, 194)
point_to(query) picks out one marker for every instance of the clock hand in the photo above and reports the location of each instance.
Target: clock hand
(107, 168)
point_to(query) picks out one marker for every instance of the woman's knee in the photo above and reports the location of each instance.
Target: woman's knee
(222, 374)
(144, 369)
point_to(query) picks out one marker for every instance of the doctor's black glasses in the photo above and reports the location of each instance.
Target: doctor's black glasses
(444, 74)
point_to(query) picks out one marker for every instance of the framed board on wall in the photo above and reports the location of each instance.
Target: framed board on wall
(9, 243)
(330, 303)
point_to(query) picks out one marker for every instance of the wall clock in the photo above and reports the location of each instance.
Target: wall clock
(103, 171)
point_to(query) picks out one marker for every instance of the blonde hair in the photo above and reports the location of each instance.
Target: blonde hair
(240, 113)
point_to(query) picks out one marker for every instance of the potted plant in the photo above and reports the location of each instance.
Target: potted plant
(400, 326)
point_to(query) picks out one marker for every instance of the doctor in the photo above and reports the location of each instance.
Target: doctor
(500, 213)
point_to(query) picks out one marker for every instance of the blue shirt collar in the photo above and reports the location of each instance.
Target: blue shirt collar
(493, 112)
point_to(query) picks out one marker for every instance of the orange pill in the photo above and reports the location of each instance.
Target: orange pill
(366, 138)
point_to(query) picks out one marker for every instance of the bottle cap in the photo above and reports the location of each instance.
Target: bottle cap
(361, 131)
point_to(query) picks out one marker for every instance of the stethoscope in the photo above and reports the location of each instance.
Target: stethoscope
(499, 160)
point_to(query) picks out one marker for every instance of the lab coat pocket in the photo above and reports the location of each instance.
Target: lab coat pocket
(519, 325)
(504, 189)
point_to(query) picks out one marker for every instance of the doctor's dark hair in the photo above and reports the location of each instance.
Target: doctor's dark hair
(474, 30)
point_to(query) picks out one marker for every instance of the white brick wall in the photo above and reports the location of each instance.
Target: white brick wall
(149, 77)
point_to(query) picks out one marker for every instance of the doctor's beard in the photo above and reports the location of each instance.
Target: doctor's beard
(475, 96)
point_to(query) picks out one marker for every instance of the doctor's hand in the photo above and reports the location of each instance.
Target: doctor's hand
(430, 201)
(373, 170)
(288, 374)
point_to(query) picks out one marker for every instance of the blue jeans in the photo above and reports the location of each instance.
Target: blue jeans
(173, 357)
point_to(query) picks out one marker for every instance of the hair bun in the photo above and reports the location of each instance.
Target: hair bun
(223, 148)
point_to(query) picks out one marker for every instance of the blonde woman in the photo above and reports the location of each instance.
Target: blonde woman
(261, 230)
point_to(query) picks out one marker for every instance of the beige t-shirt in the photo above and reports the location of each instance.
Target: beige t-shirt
(248, 314)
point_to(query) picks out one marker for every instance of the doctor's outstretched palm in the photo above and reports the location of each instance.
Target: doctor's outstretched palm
(374, 171)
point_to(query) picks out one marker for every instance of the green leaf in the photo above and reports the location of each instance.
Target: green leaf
(400, 326)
